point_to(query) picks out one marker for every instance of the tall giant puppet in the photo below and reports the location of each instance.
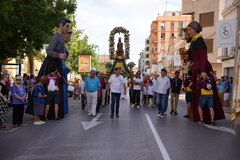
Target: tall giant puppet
(56, 54)
(201, 66)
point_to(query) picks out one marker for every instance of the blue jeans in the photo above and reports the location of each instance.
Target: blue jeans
(115, 99)
(161, 102)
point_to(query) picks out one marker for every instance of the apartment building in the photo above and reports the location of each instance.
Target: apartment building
(230, 11)
(144, 61)
(165, 30)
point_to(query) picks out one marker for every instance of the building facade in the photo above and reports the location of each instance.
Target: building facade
(207, 13)
(144, 61)
(230, 11)
(165, 30)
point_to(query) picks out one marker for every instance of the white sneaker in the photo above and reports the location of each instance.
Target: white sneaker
(37, 123)
(138, 106)
(42, 122)
(158, 115)
(89, 114)
(133, 105)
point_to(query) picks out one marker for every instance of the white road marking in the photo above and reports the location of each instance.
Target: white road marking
(221, 128)
(158, 139)
(92, 123)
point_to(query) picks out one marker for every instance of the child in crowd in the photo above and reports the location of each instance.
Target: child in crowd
(53, 96)
(18, 91)
(150, 94)
(206, 97)
(188, 97)
(39, 100)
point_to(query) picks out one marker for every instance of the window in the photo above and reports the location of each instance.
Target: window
(172, 24)
(225, 52)
(173, 14)
(147, 41)
(163, 25)
(209, 43)
(147, 48)
(180, 25)
(207, 19)
(162, 35)
(147, 56)
(162, 46)
(172, 35)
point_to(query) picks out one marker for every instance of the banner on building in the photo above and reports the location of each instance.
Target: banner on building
(177, 60)
(148, 71)
(154, 68)
(84, 63)
(226, 33)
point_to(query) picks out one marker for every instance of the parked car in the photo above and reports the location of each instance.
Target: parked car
(70, 89)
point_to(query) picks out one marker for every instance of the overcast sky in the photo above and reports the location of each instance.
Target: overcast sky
(98, 17)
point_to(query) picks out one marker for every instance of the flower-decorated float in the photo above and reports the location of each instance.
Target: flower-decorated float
(120, 55)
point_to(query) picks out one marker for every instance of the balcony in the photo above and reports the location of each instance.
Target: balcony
(226, 57)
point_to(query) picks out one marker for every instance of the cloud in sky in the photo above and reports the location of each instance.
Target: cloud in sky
(98, 17)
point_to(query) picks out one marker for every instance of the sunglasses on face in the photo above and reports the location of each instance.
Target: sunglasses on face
(18, 79)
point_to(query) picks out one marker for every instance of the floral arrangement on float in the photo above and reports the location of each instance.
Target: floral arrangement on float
(126, 41)
(131, 65)
(108, 66)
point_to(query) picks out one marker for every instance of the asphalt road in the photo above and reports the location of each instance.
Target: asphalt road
(138, 134)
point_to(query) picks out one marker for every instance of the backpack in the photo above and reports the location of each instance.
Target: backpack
(208, 85)
(51, 85)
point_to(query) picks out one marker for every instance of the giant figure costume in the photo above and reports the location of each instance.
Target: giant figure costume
(66, 70)
(51, 62)
(198, 55)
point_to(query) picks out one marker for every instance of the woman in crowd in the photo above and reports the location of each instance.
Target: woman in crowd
(18, 91)
(3, 100)
(200, 64)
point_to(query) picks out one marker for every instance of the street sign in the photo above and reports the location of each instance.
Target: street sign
(84, 63)
(226, 33)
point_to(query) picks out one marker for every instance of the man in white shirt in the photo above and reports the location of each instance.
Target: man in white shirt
(137, 88)
(116, 82)
(163, 84)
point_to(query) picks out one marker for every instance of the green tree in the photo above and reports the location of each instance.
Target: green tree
(26, 25)
(79, 45)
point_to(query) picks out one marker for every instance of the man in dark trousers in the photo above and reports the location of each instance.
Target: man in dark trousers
(176, 85)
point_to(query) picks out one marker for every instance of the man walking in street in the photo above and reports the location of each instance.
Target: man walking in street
(176, 85)
(137, 88)
(83, 96)
(116, 82)
(92, 85)
(163, 84)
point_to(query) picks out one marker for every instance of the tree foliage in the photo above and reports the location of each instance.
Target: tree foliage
(26, 25)
(79, 45)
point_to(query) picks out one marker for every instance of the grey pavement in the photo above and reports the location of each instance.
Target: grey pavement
(129, 137)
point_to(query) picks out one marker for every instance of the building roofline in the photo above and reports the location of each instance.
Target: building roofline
(230, 7)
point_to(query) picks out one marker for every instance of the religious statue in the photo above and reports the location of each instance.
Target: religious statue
(120, 52)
